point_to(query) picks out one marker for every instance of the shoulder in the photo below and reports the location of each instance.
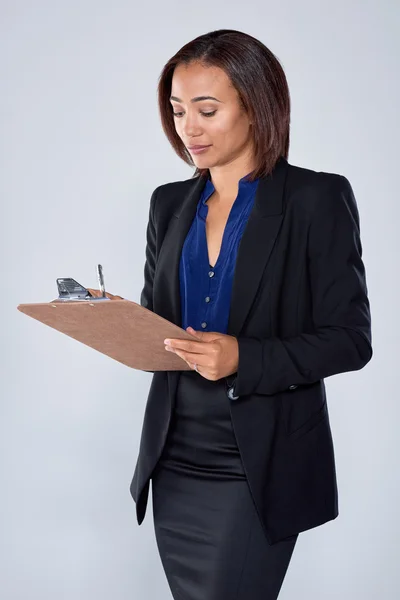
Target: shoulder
(311, 191)
(167, 197)
(172, 187)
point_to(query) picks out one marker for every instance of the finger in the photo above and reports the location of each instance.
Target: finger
(190, 357)
(95, 293)
(205, 336)
(187, 345)
(197, 334)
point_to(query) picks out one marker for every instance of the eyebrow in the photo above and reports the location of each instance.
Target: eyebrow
(197, 99)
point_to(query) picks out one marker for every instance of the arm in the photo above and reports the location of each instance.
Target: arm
(342, 338)
(146, 296)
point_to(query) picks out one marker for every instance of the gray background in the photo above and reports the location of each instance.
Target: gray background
(81, 151)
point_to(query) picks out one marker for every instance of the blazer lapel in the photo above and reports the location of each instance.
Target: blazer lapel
(256, 244)
(253, 254)
(167, 302)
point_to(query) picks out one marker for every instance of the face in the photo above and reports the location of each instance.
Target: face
(207, 112)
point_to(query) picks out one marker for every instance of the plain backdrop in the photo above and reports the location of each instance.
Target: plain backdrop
(81, 150)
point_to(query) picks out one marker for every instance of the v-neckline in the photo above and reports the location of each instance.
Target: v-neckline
(223, 239)
(223, 242)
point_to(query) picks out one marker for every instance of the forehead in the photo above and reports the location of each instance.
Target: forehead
(195, 79)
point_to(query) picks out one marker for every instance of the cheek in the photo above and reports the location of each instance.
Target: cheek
(220, 132)
(229, 129)
(178, 127)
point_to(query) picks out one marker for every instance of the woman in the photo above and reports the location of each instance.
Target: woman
(261, 261)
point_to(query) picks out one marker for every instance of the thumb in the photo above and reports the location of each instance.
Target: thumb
(203, 336)
(197, 334)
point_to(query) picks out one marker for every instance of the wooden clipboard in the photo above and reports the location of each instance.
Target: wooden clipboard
(121, 329)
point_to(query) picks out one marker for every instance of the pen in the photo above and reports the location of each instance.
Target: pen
(100, 277)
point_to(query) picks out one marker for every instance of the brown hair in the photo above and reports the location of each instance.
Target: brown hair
(260, 81)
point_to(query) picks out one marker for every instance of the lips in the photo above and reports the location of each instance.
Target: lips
(198, 147)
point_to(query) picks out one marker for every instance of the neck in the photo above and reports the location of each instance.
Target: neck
(225, 179)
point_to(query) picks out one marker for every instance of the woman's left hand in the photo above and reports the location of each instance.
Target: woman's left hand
(215, 354)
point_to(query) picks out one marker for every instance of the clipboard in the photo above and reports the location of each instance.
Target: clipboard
(123, 330)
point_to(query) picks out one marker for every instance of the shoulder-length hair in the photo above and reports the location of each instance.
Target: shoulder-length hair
(260, 81)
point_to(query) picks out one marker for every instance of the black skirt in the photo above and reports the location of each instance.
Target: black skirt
(209, 535)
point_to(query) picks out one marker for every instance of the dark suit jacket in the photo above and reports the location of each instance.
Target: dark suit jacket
(300, 312)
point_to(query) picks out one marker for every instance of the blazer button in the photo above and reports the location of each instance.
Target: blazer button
(292, 387)
(231, 395)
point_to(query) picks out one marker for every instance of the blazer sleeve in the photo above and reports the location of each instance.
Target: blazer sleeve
(146, 296)
(341, 340)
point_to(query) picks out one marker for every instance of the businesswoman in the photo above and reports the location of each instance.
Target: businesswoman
(260, 261)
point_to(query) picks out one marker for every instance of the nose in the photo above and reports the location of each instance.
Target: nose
(191, 126)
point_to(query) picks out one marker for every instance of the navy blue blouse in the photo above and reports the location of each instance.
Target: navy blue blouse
(205, 290)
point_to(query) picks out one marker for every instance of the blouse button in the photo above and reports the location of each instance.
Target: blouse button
(204, 325)
(211, 273)
(207, 298)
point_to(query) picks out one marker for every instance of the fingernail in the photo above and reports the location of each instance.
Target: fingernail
(167, 341)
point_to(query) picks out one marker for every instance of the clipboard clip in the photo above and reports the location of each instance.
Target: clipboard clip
(69, 290)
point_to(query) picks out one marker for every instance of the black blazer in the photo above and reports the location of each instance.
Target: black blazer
(300, 312)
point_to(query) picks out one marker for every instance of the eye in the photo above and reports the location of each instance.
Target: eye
(209, 114)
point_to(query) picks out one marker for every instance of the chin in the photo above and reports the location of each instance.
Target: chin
(203, 162)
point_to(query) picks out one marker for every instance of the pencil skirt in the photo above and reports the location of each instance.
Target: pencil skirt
(209, 535)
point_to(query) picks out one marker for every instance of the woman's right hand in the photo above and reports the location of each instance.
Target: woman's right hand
(98, 293)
